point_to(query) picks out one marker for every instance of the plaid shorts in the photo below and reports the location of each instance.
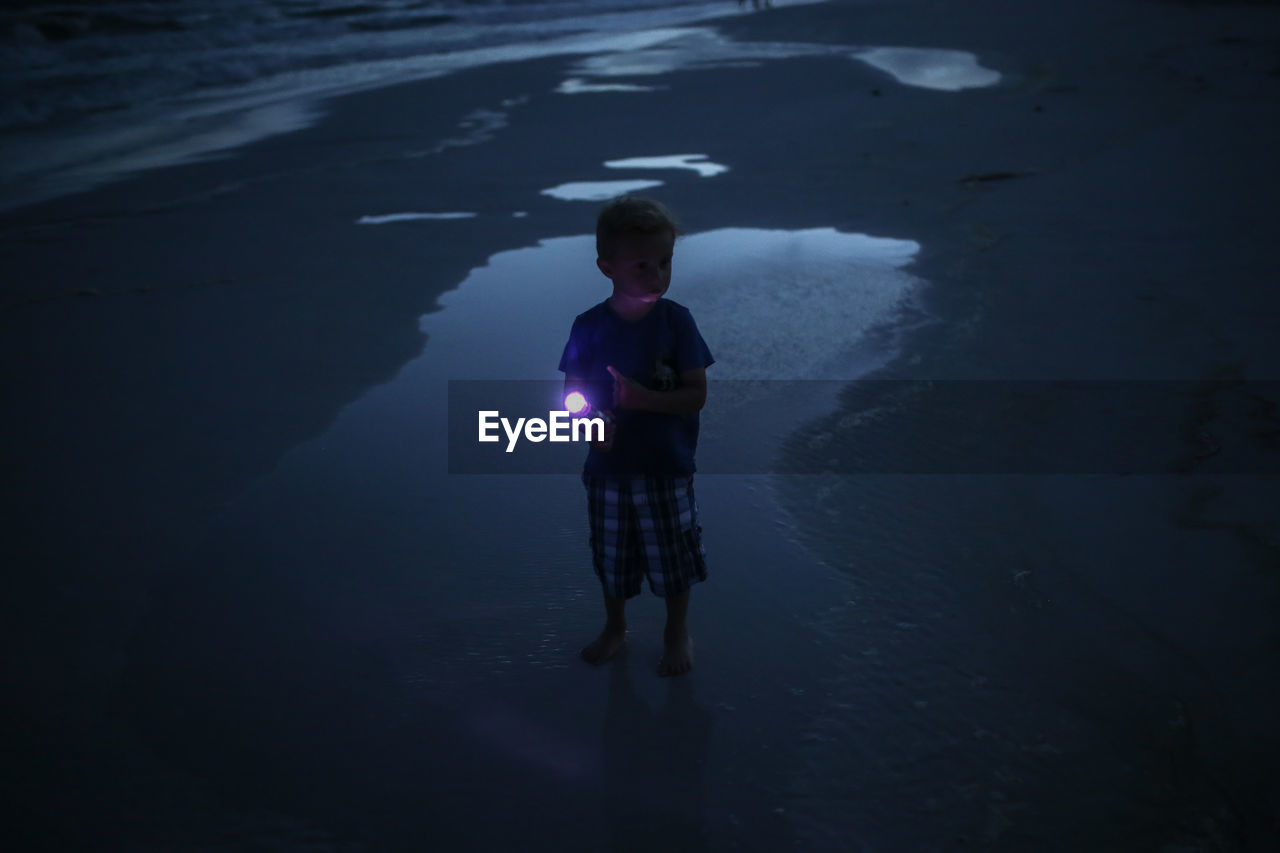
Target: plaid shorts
(645, 525)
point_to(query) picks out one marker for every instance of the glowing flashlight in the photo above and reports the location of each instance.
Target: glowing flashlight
(576, 404)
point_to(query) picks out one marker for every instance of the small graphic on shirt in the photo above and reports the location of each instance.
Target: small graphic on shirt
(664, 376)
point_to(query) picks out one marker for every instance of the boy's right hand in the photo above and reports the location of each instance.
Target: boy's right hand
(603, 446)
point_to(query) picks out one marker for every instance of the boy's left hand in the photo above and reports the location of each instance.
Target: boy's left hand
(627, 393)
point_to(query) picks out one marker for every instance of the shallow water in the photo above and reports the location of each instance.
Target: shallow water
(695, 162)
(802, 303)
(598, 190)
(695, 48)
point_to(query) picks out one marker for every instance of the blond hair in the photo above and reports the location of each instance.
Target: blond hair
(630, 214)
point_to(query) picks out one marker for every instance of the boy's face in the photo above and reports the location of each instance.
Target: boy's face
(640, 265)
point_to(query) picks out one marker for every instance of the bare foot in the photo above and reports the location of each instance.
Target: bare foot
(677, 657)
(605, 646)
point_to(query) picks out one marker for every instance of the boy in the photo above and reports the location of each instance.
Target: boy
(641, 356)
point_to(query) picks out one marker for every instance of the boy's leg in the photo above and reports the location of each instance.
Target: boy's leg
(668, 520)
(610, 515)
(611, 639)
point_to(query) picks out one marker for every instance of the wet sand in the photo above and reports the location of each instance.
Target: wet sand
(252, 609)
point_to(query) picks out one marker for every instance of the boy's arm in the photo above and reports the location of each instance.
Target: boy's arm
(690, 397)
(573, 383)
(577, 383)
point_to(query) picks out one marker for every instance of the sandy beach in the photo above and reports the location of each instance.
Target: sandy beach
(250, 607)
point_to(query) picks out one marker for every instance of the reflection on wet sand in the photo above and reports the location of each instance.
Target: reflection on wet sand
(597, 190)
(695, 162)
(655, 766)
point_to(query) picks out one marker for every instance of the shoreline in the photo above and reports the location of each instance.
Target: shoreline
(221, 119)
(241, 312)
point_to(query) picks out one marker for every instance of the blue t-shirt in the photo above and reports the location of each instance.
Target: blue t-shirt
(653, 350)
